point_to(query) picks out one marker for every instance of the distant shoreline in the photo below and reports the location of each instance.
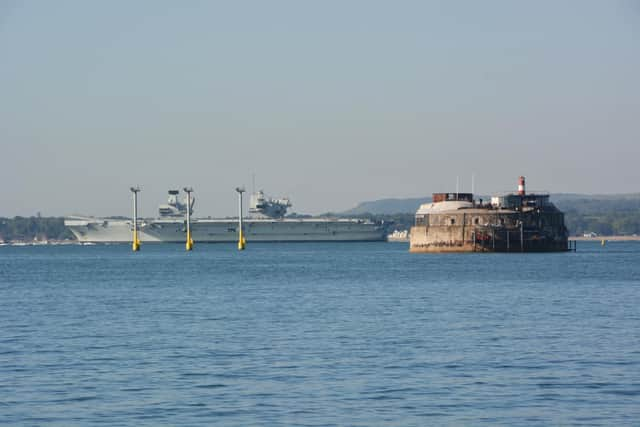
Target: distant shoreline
(608, 238)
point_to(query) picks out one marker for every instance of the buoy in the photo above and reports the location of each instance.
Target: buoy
(603, 242)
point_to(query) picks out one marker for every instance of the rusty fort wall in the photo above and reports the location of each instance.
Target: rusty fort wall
(488, 230)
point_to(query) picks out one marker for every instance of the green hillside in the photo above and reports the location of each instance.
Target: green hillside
(388, 206)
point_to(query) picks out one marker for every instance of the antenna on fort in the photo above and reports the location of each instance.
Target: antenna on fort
(473, 183)
(457, 186)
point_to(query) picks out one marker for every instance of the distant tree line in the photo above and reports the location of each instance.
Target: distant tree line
(397, 221)
(33, 228)
(605, 224)
(604, 216)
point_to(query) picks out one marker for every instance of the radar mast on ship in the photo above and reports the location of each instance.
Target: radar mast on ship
(175, 208)
(262, 206)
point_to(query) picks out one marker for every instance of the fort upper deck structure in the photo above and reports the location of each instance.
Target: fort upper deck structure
(514, 222)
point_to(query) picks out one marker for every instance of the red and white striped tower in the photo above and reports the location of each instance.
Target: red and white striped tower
(521, 186)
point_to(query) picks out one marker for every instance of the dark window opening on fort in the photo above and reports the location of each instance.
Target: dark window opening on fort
(453, 221)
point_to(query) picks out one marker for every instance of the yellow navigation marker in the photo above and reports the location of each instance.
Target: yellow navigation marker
(189, 244)
(135, 245)
(241, 241)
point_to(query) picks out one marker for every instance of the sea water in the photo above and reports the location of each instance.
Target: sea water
(348, 334)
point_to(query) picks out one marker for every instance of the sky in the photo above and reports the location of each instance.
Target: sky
(329, 102)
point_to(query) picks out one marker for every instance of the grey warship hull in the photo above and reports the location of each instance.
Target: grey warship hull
(226, 230)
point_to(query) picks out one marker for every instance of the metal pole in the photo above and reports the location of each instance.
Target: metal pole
(189, 243)
(473, 183)
(135, 245)
(241, 240)
(135, 213)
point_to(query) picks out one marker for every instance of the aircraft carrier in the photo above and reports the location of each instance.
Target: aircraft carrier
(266, 222)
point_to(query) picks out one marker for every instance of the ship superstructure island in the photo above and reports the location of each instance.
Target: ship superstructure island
(512, 222)
(267, 222)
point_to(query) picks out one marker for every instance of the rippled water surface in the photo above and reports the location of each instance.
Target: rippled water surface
(318, 335)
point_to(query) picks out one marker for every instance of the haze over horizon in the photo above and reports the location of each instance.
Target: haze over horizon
(329, 103)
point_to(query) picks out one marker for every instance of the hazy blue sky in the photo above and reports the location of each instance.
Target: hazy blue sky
(328, 102)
